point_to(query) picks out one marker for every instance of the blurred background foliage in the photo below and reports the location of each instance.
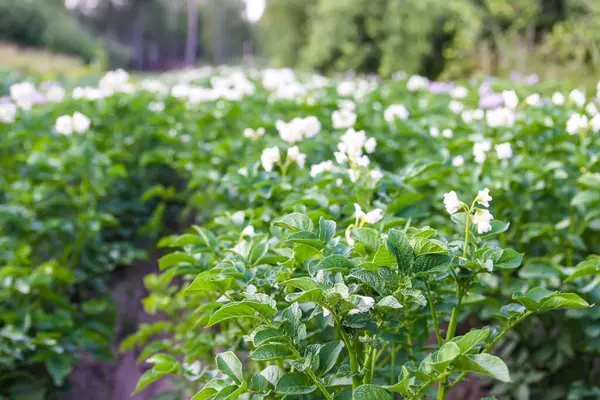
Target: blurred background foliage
(449, 39)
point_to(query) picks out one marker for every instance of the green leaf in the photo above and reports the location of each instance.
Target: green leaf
(326, 230)
(58, 368)
(585, 268)
(468, 341)
(310, 296)
(423, 246)
(430, 264)
(371, 279)
(163, 365)
(272, 351)
(240, 309)
(186, 240)
(266, 334)
(258, 252)
(328, 356)
(440, 359)
(539, 268)
(259, 383)
(367, 236)
(485, 364)
(507, 259)
(403, 384)
(389, 302)
(559, 301)
(272, 373)
(497, 228)
(228, 364)
(383, 257)
(399, 246)
(295, 222)
(205, 394)
(306, 237)
(533, 297)
(591, 180)
(303, 283)
(174, 259)
(586, 197)
(295, 383)
(371, 392)
(207, 281)
(334, 263)
(207, 236)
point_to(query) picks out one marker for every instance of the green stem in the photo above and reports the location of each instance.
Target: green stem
(436, 322)
(351, 354)
(319, 384)
(425, 386)
(393, 377)
(493, 343)
(467, 233)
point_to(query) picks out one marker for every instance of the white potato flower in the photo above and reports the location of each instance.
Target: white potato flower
(483, 197)
(595, 123)
(558, 99)
(370, 145)
(456, 106)
(294, 155)
(576, 123)
(269, 157)
(533, 100)
(374, 216)
(451, 202)
(591, 109)
(395, 111)
(578, 97)
(55, 94)
(459, 92)
(317, 169)
(81, 123)
(447, 133)
(482, 220)
(343, 119)
(417, 82)
(8, 113)
(511, 100)
(504, 150)
(434, 132)
(458, 161)
(156, 106)
(64, 125)
(500, 117)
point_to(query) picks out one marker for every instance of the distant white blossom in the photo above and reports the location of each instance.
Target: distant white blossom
(254, 134)
(578, 97)
(8, 113)
(558, 99)
(500, 117)
(317, 169)
(458, 161)
(294, 155)
(504, 151)
(395, 111)
(456, 106)
(576, 123)
(511, 100)
(343, 119)
(459, 92)
(417, 82)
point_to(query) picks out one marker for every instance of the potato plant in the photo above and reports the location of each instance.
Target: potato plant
(326, 251)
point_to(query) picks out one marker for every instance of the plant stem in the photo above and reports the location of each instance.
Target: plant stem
(436, 322)
(393, 378)
(467, 233)
(350, 348)
(425, 386)
(491, 345)
(319, 384)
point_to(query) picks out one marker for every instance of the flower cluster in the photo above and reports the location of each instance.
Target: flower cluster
(481, 217)
(67, 124)
(298, 129)
(394, 112)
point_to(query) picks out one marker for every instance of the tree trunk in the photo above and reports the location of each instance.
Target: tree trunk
(192, 33)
